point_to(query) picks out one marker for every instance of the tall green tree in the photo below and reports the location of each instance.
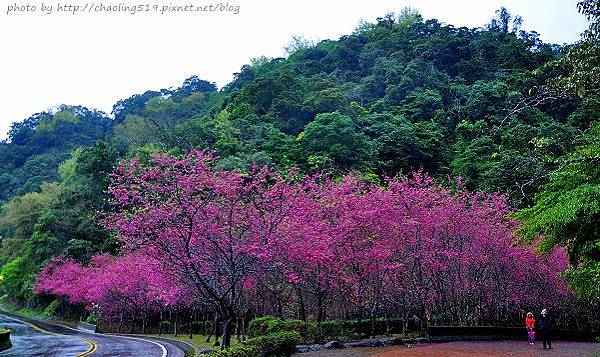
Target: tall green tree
(332, 141)
(567, 213)
(583, 59)
(19, 223)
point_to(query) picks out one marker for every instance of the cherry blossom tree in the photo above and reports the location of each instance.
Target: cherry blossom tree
(211, 229)
(239, 243)
(127, 286)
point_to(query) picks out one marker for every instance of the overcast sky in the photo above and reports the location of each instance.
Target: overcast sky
(95, 59)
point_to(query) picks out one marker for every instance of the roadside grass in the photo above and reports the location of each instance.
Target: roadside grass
(45, 314)
(26, 312)
(199, 341)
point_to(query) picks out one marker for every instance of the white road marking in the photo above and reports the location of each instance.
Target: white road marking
(93, 344)
(163, 348)
(187, 343)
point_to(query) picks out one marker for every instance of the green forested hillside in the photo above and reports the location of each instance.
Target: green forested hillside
(397, 95)
(394, 96)
(37, 145)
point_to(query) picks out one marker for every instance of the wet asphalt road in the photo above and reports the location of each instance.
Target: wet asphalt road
(26, 341)
(58, 340)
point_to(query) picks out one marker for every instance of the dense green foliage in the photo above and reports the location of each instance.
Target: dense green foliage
(37, 145)
(567, 210)
(238, 351)
(397, 95)
(583, 58)
(278, 344)
(61, 219)
(337, 330)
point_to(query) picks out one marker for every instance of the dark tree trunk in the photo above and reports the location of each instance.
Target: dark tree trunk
(132, 323)
(215, 330)
(320, 315)
(244, 328)
(175, 329)
(387, 325)
(144, 317)
(301, 307)
(191, 325)
(279, 306)
(424, 322)
(238, 328)
(120, 323)
(208, 332)
(360, 319)
(160, 323)
(226, 333)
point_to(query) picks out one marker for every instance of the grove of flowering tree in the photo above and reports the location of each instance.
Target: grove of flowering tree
(236, 244)
(125, 287)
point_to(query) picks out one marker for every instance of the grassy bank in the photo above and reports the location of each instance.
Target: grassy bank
(198, 341)
(44, 314)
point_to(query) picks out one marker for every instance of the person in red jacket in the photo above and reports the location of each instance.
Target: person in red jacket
(530, 325)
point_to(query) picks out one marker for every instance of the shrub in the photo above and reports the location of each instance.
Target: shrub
(92, 319)
(265, 325)
(341, 330)
(260, 325)
(382, 327)
(282, 344)
(238, 351)
(274, 326)
(202, 327)
(165, 326)
(50, 310)
(208, 327)
(332, 329)
(306, 329)
(94, 315)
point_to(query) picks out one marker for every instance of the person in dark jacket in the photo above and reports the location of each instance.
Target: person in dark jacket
(544, 324)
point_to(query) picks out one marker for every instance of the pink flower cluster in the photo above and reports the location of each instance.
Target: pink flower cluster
(126, 284)
(231, 241)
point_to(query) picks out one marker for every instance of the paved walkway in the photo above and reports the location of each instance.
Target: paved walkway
(470, 348)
